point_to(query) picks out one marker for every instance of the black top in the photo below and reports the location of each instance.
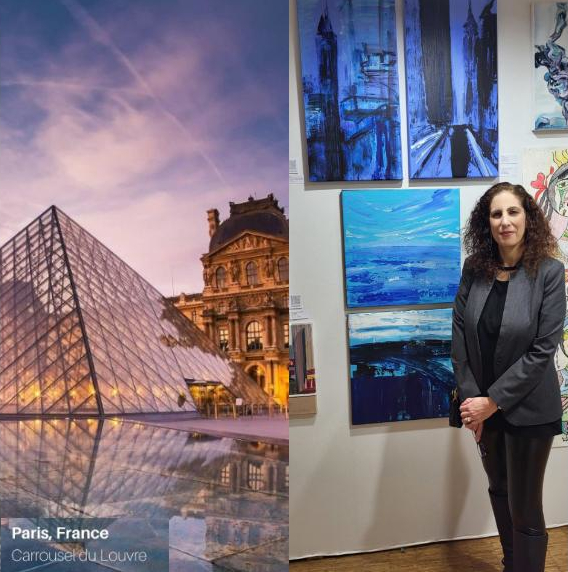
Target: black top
(488, 329)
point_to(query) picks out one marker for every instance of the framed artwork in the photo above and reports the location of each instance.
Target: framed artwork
(550, 41)
(302, 369)
(545, 174)
(400, 366)
(401, 246)
(350, 89)
(451, 83)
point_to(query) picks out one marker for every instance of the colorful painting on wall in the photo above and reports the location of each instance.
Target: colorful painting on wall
(451, 83)
(350, 88)
(545, 174)
(302, 369)
(400, 365)
(401, 246)
(550, 41)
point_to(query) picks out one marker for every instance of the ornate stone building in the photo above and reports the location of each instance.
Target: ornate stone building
(244, 304)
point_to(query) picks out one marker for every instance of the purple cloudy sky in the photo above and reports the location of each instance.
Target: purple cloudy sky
(136, 116)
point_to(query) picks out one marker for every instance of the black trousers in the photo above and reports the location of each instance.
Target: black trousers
(515, 466)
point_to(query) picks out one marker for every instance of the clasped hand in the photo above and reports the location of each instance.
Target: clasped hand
(477, 409)
(474, 411)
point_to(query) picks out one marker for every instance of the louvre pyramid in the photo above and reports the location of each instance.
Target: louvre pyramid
(83, 333)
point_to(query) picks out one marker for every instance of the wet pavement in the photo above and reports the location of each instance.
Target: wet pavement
(225, 501)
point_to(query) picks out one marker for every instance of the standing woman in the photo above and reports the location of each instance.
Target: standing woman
(507, 321)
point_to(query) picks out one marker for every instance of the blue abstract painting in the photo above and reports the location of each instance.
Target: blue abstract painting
(550, 40)
(350, 89)
(400, 366)
(401, 246)
(451, 69)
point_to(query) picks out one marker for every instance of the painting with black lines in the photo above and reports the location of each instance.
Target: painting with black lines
(545, 175)
(451, 69)
(350, 89)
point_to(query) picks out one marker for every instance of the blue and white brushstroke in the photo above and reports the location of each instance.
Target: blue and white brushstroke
(451, 67)
(401, 246)
(400, 366)
(399, 326)
(350, 86)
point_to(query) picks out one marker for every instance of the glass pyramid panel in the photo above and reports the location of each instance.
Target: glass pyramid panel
(43, 357)
(83, 333)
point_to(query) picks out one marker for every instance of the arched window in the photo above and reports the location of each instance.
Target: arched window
(252, 274)
(283, 269)
(221, 277)
(254, 340)
(286, 335)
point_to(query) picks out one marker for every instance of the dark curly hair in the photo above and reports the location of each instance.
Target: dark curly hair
(482, 248)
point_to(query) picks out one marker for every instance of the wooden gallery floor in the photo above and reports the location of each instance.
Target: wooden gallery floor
(481, 555)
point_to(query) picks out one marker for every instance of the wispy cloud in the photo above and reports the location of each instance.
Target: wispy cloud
(122, 120)
(98, 34)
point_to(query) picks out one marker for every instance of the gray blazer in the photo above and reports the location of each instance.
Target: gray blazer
(526, 385)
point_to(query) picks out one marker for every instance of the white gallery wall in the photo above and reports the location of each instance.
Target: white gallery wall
(370, 487)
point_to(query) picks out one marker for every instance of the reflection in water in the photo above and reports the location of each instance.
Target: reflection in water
(221, 496)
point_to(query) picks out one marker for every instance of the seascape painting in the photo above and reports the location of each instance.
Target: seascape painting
(302, 369)
(545, 175)
(400, 365)
(401, 246)
(350, 89)
(451, 83)
(550, 41)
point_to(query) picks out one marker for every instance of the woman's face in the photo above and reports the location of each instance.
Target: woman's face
(507, 219)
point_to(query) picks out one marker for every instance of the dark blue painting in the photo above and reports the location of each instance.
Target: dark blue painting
(451, 83)
(350, 88)
(400, 365)
(401, 246)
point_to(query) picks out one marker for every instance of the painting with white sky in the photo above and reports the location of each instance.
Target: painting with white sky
(401, 246)
(400, 366)
(136, 116)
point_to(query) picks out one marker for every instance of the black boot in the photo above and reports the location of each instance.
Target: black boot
(500, 505)
(530, 552)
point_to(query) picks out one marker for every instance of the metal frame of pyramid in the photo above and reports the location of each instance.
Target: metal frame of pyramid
(82, 333)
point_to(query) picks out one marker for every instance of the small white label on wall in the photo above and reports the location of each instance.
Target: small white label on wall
(509, 168)
(295, 302)
(296, 308)
(295, 175)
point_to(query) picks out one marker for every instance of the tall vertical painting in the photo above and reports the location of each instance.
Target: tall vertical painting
(350, 89)
(451, 68)
(400, 365)
(545, 174)
(302, 369)
(550, 41)
(401, 246)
